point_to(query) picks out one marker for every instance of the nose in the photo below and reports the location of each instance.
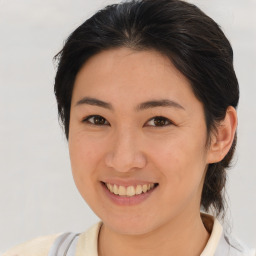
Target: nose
(124, 153)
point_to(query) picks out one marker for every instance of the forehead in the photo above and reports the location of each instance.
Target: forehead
(127, 75)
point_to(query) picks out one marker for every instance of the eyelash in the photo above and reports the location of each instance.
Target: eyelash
(160, 118)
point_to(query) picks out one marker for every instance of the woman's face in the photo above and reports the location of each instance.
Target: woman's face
(135, 121)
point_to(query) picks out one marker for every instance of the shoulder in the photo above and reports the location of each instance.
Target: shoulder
(86, 244)
(37, 247)
(88, 241)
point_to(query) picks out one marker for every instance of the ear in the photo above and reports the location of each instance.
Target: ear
(222, 139)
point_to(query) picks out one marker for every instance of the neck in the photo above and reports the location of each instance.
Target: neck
(181, 237)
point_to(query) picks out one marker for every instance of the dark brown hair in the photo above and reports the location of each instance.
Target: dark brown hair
(189, 38)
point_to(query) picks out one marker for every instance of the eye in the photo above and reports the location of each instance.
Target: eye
(96, 120)
(159, 121)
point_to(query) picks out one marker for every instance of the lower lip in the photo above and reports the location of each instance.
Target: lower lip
(127, 200)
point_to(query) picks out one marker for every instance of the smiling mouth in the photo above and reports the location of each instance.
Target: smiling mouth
(130, 190)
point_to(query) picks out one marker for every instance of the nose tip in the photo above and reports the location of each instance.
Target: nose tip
(125, 152)
(125, 162)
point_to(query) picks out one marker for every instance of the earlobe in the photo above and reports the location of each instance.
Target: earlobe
(223, 138)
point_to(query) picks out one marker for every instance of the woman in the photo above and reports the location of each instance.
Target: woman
(147, 94)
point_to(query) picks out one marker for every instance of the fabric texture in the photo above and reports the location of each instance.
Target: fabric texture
(64, 245)
(37, 247)
(86, 244)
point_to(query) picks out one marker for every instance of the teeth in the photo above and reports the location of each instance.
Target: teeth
(129, 191)
(115, 189)
(138, 190)
(144, 188)
(110, 187)
(122, 191)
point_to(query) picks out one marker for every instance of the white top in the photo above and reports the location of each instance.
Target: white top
(86, 244)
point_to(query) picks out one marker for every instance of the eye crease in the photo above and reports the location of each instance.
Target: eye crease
(157, 121)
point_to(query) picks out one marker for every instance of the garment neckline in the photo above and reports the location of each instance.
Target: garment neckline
(88, 241)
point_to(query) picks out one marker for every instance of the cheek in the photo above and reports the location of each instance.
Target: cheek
(84, 157)
(84, 151)
(182, 163)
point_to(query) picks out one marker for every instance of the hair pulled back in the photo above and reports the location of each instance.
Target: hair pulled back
(190, 39)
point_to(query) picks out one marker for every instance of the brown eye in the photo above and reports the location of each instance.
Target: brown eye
(96, 120)
(159, 121)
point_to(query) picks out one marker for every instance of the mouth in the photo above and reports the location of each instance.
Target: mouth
(130, 191)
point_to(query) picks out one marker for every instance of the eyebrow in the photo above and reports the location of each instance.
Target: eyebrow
(142, 106)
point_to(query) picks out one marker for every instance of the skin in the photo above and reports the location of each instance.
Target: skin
(129, 147)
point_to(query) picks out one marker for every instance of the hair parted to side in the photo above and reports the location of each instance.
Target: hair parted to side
(189, 38)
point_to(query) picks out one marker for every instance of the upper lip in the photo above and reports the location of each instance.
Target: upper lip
(127, 183)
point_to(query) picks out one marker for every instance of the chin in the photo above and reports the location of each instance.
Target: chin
(130, 226)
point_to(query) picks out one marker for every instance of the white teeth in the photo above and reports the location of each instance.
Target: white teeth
(110, 187)
(144, 188)
(122, 191)
(138, 189)
(115, 189)
(129, 191)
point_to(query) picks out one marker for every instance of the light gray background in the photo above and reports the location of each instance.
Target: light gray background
(38, 196)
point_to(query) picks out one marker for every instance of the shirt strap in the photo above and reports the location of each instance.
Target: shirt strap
(64, 245)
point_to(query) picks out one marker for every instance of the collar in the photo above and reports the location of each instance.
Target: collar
(218, 244)
(211, 223)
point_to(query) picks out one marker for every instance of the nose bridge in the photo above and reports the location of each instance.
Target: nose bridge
(125, 152)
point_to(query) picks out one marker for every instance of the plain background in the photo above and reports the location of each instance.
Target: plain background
(38, 196)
